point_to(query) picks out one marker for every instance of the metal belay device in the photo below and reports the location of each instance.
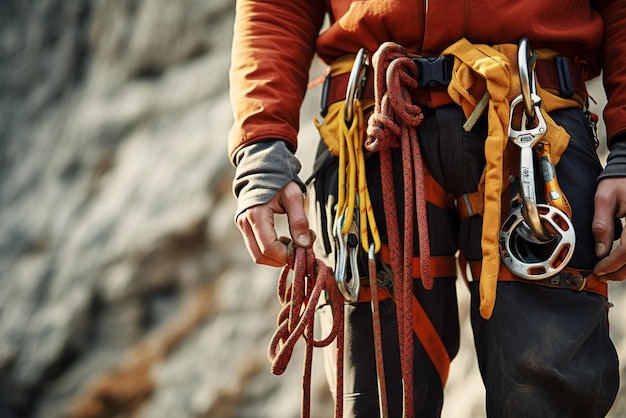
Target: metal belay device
(536, 240)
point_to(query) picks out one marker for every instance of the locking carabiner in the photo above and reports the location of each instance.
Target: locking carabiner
(527, 79)
(347, 251)
(526, 138)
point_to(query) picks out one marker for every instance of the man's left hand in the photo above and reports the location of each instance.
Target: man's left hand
(610, 203)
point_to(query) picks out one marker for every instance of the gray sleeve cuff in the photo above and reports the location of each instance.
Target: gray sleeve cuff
(616, 161)
(263, 169)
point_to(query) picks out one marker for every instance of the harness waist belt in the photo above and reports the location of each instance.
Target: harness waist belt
(435, 73)
(569, 278)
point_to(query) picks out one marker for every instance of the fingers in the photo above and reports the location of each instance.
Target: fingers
(292, 201)
(603, 220)
(259, 232)
(613, 267)
(610, 203)
(257, 228)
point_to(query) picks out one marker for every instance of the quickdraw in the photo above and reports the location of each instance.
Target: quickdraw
(352, 193)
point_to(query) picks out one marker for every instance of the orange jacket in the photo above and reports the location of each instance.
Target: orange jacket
(275, 41)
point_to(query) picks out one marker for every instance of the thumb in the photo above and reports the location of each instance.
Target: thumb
(292, 200)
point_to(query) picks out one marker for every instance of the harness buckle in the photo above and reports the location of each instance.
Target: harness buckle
(566, 86)
(434, 71)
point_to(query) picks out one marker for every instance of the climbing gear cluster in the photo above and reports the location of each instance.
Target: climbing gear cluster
(536, 240)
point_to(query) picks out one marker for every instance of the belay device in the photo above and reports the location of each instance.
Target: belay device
(536, 240)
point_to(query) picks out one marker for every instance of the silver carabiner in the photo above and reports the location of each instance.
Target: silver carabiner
(527, 79)
(347, 250)
(356, 83)
(526, 138)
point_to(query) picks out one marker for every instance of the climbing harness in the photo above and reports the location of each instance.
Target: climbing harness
(531, 231)
(536, 240)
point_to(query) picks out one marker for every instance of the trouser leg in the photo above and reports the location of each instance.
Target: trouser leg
(360, 379)
(440, 303)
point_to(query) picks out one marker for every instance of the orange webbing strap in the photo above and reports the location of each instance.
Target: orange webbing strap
(423, 329)
(431, 341)
(591, 282)
(442, 266)
(471, 204)
(435, 194)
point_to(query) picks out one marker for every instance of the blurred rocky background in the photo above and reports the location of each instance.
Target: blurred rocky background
(125, 288)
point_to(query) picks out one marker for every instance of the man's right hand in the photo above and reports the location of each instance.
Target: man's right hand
(259, 233)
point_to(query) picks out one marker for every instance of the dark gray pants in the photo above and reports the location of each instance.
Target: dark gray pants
(545, 352)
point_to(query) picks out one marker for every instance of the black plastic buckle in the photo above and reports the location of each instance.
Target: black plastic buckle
(566, 87)
(434, 71)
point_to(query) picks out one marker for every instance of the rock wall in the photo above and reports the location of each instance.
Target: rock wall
(125, 289)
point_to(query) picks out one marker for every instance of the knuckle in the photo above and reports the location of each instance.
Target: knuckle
(598, 227)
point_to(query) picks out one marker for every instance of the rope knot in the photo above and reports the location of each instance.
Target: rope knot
(401, 78)
(383, 132)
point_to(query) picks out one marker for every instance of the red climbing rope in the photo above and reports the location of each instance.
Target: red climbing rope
(377, 332)
(299, 295)
(392, 125)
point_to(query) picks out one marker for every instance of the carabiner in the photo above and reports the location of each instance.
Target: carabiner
(526, 138)
(356, 83)
(347, 251)
(527, 79)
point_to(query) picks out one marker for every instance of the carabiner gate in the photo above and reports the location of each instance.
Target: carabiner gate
(347, 251)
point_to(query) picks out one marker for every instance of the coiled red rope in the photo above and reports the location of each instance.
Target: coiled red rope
(392, 125)
(299, 294)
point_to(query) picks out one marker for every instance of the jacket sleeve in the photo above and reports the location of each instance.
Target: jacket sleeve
(613, 13)
(273, 47)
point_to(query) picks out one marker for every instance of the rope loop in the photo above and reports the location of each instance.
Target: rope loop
(300, 286)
